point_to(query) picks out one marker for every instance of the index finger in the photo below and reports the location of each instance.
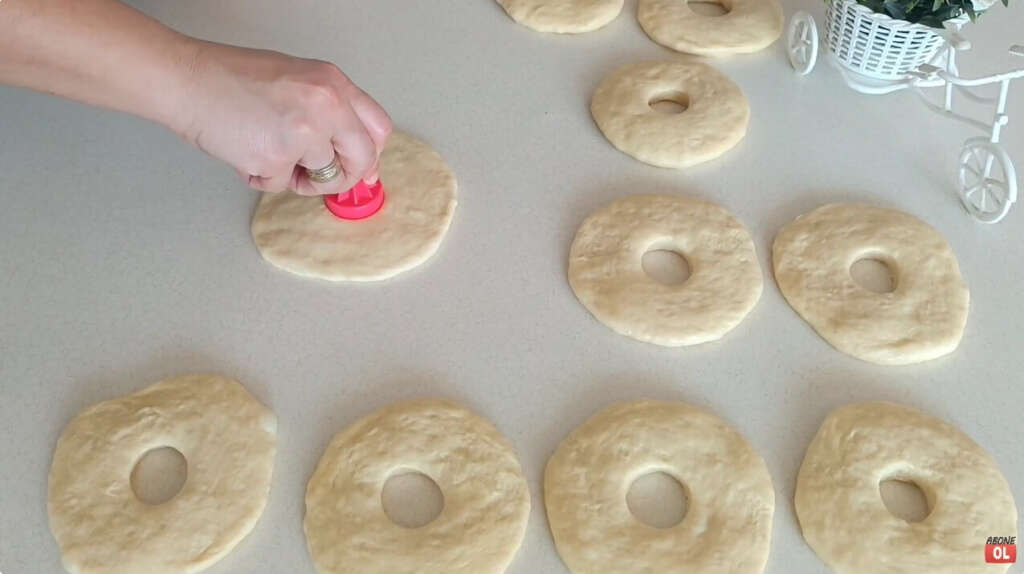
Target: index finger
(373, 117)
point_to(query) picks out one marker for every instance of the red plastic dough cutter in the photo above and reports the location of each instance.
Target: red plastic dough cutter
(360, 202)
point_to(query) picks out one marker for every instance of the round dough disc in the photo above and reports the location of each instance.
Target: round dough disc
(845, 521)
(563, 16)
(748, 26)
(298, 234)
(228, 440)
(715, 119)
(486, 499)
(922, 319)
(727, 526)
(607, 276)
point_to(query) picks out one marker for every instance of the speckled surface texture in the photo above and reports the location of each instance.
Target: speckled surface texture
(563, 16)
(921, 319)
(228, 440)
(728, 523)
(747, 26)
(607, 276)
(131, 260)
(861, 445)
(486, 500)
(298, 233)
(714, 121)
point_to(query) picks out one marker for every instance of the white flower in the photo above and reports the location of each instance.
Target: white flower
(980, 5)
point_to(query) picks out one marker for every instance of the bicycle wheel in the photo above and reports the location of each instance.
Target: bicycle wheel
(987, 179)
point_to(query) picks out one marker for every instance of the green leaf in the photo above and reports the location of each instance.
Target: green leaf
(932, 13)
(895, 10)
(873, 5)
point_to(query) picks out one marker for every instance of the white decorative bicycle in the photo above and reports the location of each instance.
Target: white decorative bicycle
(987, 179)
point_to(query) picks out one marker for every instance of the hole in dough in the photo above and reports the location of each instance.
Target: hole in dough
(665, 266)
(904, 499)
(657, 500)
(873, 275)
(708, 8)
(412, 499)
(670, 103)
(159, 475)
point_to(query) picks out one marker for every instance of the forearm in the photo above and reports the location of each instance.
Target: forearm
(100, 52)
(269, 115)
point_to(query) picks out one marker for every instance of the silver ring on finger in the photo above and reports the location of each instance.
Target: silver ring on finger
(325, 174)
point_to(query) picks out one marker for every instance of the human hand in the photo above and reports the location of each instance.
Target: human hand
(270, 116)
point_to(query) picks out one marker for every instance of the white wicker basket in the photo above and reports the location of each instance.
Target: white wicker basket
(874, 44)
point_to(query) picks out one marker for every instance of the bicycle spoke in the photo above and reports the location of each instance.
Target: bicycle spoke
(979, 161)
(970, 179)
(998, 190)
(975, 199)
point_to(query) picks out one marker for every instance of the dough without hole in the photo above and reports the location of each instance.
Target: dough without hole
(922, 319)
(607, 276)
(715, 119)
(563, 16)
(845, 521)
(298, 234)
(228, 440)
(727, 527)
(748, 26)
(486, 500)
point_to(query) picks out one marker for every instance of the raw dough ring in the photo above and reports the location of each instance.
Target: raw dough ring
(922, 319)
(228, 440)
(563, 16)
(486, 499)
(845, 521)
(749, 26)
(727, 527)
(298, 234)
(715, 119)
(606, 274)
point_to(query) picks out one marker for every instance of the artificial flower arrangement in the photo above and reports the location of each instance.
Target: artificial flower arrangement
(932, 13)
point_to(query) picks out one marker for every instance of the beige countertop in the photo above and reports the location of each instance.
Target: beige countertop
(125, 257)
